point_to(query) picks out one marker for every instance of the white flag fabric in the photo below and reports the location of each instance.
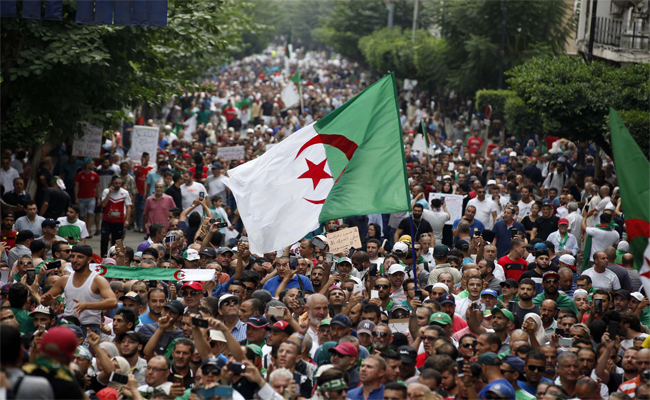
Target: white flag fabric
(290, 95)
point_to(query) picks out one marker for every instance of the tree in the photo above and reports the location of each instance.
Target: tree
(520, 120)
(57, 73)
(473, 32)
(573, 97)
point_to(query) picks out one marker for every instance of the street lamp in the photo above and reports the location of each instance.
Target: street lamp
(390, 5)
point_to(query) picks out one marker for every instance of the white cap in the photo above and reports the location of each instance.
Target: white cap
(445, 177)
(322, 238)
(401, 247)
(637, 296)
(345, 259)
(513, 154)
(441, 286)
(192, 255)
(491, 182)
(395, 268)
(568, 259)
(623, 245)
(60, 184)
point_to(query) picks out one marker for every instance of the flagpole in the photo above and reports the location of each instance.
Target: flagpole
(302, 107)
(415, 271)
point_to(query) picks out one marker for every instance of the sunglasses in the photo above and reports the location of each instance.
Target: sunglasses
(380, 334)
(65, 251)
(208, 370)
(507, 286)
(468, 345)
(25, 262)
(190, 292)
(136, 261)
(349, 289)
(229, 302)
(551, 281)
(538, 368)
(381, 286)
(429, 338)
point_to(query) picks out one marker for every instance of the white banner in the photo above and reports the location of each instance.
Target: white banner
(190, 125)
(90, 144)
(143, 139)
(231, 153)
(454, 204)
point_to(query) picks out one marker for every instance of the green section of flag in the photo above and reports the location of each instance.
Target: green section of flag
(287, 52)
(633, 174)
(296, 77)
(121, 272)
(424, 133)
(374, 180)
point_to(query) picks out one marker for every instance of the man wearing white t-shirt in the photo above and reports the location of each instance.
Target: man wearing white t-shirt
(372, 248)
(486, 209)
(525, 203)
(437, 217)
(216, 183)
(602, 236)
(191, 190)
(601, 277)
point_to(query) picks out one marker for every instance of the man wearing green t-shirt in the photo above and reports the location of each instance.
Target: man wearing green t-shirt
(71, 227)
(17, 298)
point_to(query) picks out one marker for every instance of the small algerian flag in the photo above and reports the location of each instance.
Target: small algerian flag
(633, 173)
(351, 162)
(153, 274)
(291, 92)
(423, 128)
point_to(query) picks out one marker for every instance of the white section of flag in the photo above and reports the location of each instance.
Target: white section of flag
(290, 95)
(272, 200)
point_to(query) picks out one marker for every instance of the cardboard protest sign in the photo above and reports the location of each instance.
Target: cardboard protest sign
(143, 139)
(90, 144)
(454, 204)
(231, 153)
(342, 240)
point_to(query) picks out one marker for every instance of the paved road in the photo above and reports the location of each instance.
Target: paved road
(131, 239)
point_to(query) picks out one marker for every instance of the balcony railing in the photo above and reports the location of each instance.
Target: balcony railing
(611, 32)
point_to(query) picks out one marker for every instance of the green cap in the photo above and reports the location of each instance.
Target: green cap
(326, 321)
(505, 312)
(489, 358)
(256, 349)
(440, 318)
(440, 250)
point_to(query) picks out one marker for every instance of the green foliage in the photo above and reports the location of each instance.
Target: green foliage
(573, 97)
(56, 73)
(300, 17)
(495, 98)
(394, 50)
(473, 31)
(350, 20)
(519, 119)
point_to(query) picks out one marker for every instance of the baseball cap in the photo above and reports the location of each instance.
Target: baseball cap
(568, 259)
(133, 296)
(400, 247)
(262, 295)
(132, 334)
(405, 239)
(446, 298)
(510, 282)
(257, 321)
(395, 268)
(75, 329)
(407, 354)
(516, 363)
(327, 322)
(513, 154)
(489, 292)
(440, 318)
(192, 285)
(623, 293)
(547, 204)
(563, 221)
(40, 310)
(191, 255)
(49, 223)
(491, 182)
(489, 358)
(440, 250)
(342, 320)
(224, 249)
(637, 295)
(175, 306)
(208, 252)
(346, 349)
(500, 390)
(365, 326)
(399, 307)
(215, 362)
(216, 165)
(550, 274)
(281, 326)
(462, 244)
(5, 288)
(540, 246)
(345, 259)
(226, 297)
(506, 313)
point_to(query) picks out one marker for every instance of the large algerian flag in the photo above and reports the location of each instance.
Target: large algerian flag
(633, 174)
(155, 274)
(349, 163)
(291, 92)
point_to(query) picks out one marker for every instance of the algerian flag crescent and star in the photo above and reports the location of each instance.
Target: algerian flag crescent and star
(349, 163)
(633, 174)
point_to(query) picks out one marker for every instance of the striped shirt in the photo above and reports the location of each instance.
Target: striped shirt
(629, 387)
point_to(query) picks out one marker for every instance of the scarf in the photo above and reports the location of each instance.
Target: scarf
(587, 250)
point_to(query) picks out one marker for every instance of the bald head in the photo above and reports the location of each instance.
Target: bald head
(587, 389)
(549, 304)
(519, 334)
(628, 259)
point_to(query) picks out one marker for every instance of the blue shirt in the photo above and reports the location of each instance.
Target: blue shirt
(222, 288)
(272, 284)
(357, 394)
(475, 225)
(145, 319)
(529, 388)
(504, 236)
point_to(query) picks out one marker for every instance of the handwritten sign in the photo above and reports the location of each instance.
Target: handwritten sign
(143, 140)
(454, 203)
(401, 326)
(231, 153)
(90, 144)
(341, 241)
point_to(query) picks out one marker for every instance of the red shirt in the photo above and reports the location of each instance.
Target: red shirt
(229, 113)
(87, 182)
(475, 144)
(193, 171)
(513, 268)
(141, 177)
(115, 210)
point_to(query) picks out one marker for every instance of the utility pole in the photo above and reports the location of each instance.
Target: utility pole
(416, 9)
(503, 42)
(592, 29)
(390, 5)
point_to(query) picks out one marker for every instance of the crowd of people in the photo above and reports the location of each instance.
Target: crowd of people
(529, 292)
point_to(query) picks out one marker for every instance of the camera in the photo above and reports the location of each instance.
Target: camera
(237, 368)
(120, 379)
(199, 322)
